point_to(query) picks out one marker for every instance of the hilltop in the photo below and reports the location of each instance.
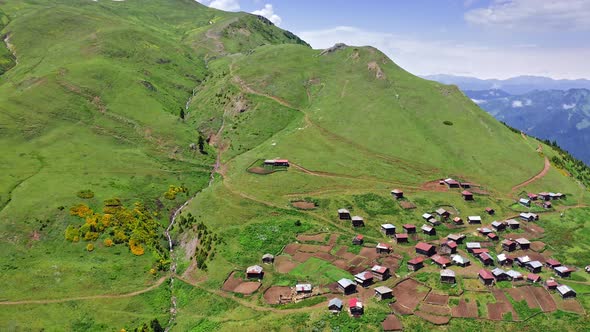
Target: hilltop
(119, 210)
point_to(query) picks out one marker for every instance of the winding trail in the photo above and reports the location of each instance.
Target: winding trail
(540, 175)
(91, 297)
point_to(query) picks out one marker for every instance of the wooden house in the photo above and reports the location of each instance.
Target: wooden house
(448, 247)
(534, 266)
(547, 205)
(383, 248)
(457, 238)
(486, 277)
(357, 221)
(490, 211)
(544, 196)
(426, 249)
(533, 278)
(397, 194)
(383, 293)
(380, 272)
(355, 307)
(447, 276)
(254, 272)
(498, 226)
(358, 240)
(458, 221)
(493, 236)
(268, 259)
(409, 228)
(465, 185)
(416, 264)
(472, 246)
(452, 183)
(522, 243)
(522, 260)
(460, 261)
(474, 219)
(566, 292)
(303, 288)
(525, 202)
(551, 284)
(478, 251)
(346, 286)
(401, 238)
(552, 263)
(504, 260)
(441, 261)
(514, 275)
(388, 229)
(442, 213)
(364, 279)
(276, 162)
(343, 214)
(484, 231)
(528, 216)
(335, 305)
(532, 197)
(499, 274)
(428, 230)
(467, 195)
(486, 259)
(563, 271)
(513, 224)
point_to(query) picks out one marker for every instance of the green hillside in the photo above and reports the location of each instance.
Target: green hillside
(115, 113)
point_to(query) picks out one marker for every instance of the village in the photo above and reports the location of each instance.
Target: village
(497, 257)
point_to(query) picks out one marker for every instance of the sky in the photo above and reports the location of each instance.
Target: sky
(479, 38)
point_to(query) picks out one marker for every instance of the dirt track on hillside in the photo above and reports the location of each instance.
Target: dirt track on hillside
(541, 174)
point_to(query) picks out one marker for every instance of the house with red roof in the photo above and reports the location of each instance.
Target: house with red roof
(426, 249)
(441, 261)
(416, 264)
(383, 248)
(486, 277)
(355, 307)
(467, 195)
(401, 237)
(409, 228)
(380, 272)
(358, 240)
(448, 247)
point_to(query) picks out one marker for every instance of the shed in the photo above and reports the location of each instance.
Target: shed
(460, 261)
(427, 229)
(523, 243)
(335, 305)
(427, 216)
(355, 306)
(552, 263)
(486, 259)
(447, 276)
(268, 259)
(303, 288)
(508, 245)
(443, 213)
(528, 216)
(467, 195)
(346, 286)
(532, 197)
(499, 274)
(416, 264)
(409, 228)
(474, 219)
(551, 284)
(513, 224)
(383, 248)
(401, 237)
(490, 211)
(388, 229)
(533, 278)
(544, 196)
(484, 230)
(547, 205)
(343, 214)
(383, 292)
(566, 292)
(498, 226)
(380, 272)
(486, 277)
(458, 221)
(364, 279)
(472, 245)
(441, 261)
(534, 266)
(254, 272)
(504, 259)
(522, 260)
(457, 238)
(358, 221)
(525, 202)
(451, 183)
(426, 249)
(358, 239)
(398, 194)
(448, 247)
(514, 275)
(563, 271)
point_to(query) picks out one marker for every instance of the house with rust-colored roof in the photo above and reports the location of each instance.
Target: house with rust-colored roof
(426, 249)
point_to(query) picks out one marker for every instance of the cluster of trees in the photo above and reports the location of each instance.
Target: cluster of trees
(205, 247)
(154, 326)
(566, 161)
(134, 227)
(174, 190)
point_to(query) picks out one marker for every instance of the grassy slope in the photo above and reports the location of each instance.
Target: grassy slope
(77, 113)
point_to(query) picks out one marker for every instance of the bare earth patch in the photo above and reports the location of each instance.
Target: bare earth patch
(439, 299)
(407, 295)
(237, 285)
(303, 205)
(465, 310)
(284, 264)
(392, 323)
(544, 299)
(435, 309)
(291, 249)
(301, 256)
(434, 319)
(571, 305)
(273, 294)
(524, 293)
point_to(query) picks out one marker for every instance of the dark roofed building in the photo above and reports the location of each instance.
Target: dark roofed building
(563, 271)
(508, 245)
(358, 240)
(513, 224)
(499, 274)
(447, 276)
(388, 229)
(343, 214)
(383, 248)
(398, 194)
(364, 279)
(490, 211)
(486, 277)
(335, 305)
(534, 266)
(358, 221)
(346, 286)
(441, 261)
(457, 238)
(523, 243)
(380, 272)
(427, 229)
(409, 228)
(467, 195)
(254, 272)
(383, 293)
(534, 278)
(566, 292)
(268, 259)
(426, 249)
(355, 306)
(458, 221)
(416, 264)
(552, 263)
(448, 247)
(485, 259)
(498, 226)
(401, 237)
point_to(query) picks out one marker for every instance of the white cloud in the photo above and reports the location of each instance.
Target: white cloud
(227, 5)
(533, 14)
(268, 12)
(528, 102)
(424, 57)
(516, 103)
(478, 101)
(568, 106)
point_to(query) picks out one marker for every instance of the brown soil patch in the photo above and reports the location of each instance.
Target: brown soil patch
(373, 66)
(309, 248)
(332, 240)
(259, 170)
(392, 323)
(273, 294)
(231, 283)
(434, 186)
(357, 261)
(341, 264)
(407, 295)
(435, 309)
(407, 205)
(348, 256)
(315, 238)
(391, 262)
(465, 310)
(301, 256)
(571, 305)
(544, 299)
(303, 205)
(537, 246)
(502, 306)
(284, 264)
(438, 299)
(342, 251)
(247, 288)
(524, 293)
(325, 256)
(291, 249)
(370, 253)
(434, 319)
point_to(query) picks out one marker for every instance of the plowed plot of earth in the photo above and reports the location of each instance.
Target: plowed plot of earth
(537, 246)
(435, 309)
(392, 323)
(237, 285)
(391, 262)
(408, 296)
(316, 237)
(333, 239)
(502, 306)
(464, 309)
(434, 186)
(370, 253)
(284, 264)
(571, 305)
(407, 205)
(301, 256)
(544, 299)
(291, 248)
(439, 299)
(357, 261)
(524, 293)
(302, 205)
(434, 319)
(341, 264)
(273, 294)
(309, 248)
(325, 256)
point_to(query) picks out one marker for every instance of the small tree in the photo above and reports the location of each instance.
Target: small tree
(182, 113)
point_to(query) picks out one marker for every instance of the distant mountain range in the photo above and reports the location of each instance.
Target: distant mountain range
(515, 86)
(556, 115)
